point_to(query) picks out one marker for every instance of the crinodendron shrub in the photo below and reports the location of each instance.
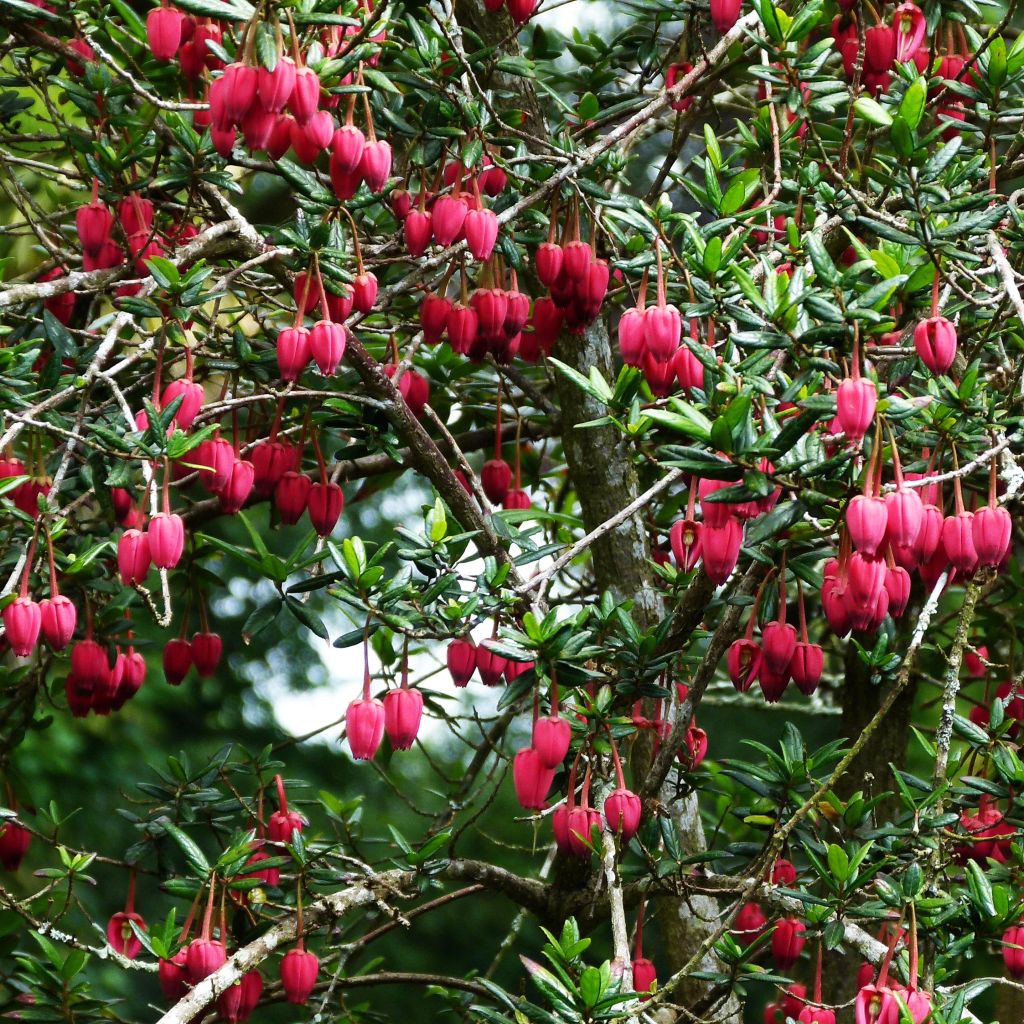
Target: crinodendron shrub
(580, 372)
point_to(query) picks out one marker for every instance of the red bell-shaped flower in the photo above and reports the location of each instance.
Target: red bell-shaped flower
(15, 840)
(177, 660)
(905, 512)
(645, 976)
(163, 32)
(364, 292)
(778, 642)
(787, 942)
(22, 622)
(749, 923)
(275, 87)
(958, 541)
(866, 520)
(325, 503)
(461, 658)
(685, 541)
(204, 956)
(191, 395)
(481, 231)
(490, 665)
(121, 936)
(364, 725)
(375, 167)
(865, 579)
(1013, 951)
(725, 14)
(856, 399)
(166, 535)
(57, 618)
(347, 148)
(305, 96)
(236, 491)
(403, 711)
(744, 663)
(214, 458)
(94, 223)
(291, 496)
(270, 461)
(584, 824)
(532, 779)
(548, 262)
(551, 738)
(418, 231)
(623, 811)
(935, 341)
(293, 352)
(299, 969)
(206, 650)
(806, 667)
(720, 549)
(495, 479)
(173, 976)
(133, 559)
(897, 586)
(990, 532)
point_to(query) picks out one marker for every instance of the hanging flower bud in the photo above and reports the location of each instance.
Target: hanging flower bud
(192, 396)
(270, 461)
(163, 32)
(879, 48)
(327, 346)
(166, 535)
(375, 167)
(236, 491)
(490, 665)
(57, 618)
(495, 479)
(177, 660)
(481, 231)
(532, 780)
(778, 642)
(403, 710)
(434, 312)
(299, 969)
(305, 95)
(94, 223)
(448, 215)
(897, 586)
(584, 825)
(816, 1015)
(787, 942)
(347, 149)
(866, 578)
(419, 229)
(461, 658)
(364, 725)
(22, 622)
(551, 738)
(623, 811)
(291, 496)
(240, 82)
(725, 14)
(215, 459)
(991, 532)
(856, 399)
(206, 649)
(720, 549)
(749, 923)
(204, 956)
(905, 512)
(173, 976)
(935, 341)
(645, 976)
(958, 541)
(806, 667)
(364, 292)
(325, 503)
(293, 352)
(1013, 951)
(274, 88)
(548, 261)
(866, 519)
